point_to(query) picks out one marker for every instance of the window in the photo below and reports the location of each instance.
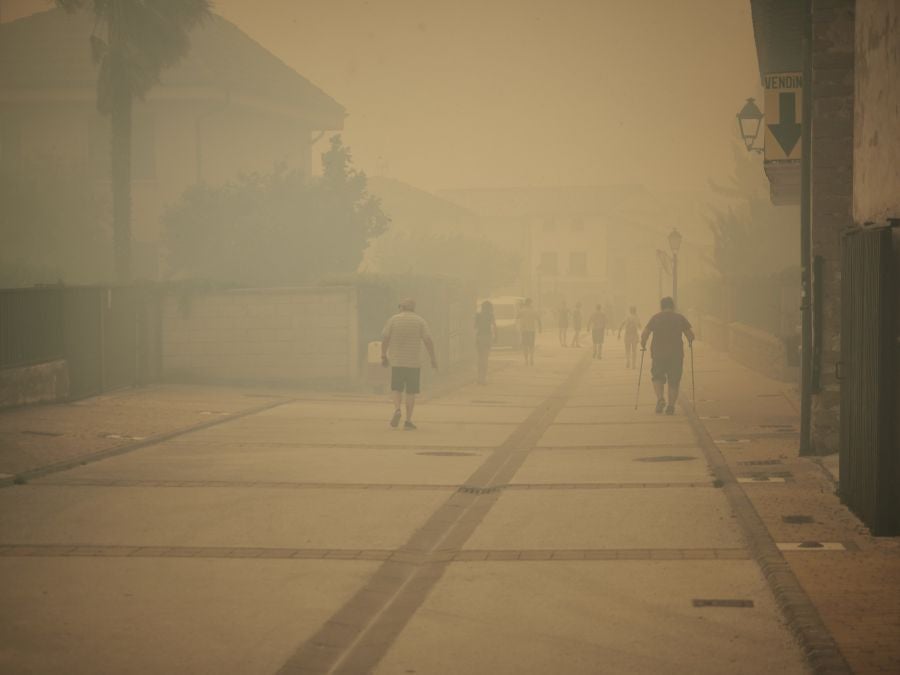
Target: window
(578, 263)
(549, 263)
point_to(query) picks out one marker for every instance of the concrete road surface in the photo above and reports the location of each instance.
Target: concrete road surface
(539, 524)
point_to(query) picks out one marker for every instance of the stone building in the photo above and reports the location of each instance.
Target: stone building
(229, 107)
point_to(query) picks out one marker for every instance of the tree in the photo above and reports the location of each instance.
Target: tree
(752, 236)
(275, 229)
(142, 39)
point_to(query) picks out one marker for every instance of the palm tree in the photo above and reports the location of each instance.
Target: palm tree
(143, 37)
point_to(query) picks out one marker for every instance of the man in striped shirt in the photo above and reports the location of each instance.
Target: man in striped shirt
(402, 340)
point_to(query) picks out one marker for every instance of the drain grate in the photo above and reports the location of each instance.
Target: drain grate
(797, 520)
(718, 602)
(41, 433)
(665, 458)
(474, 490)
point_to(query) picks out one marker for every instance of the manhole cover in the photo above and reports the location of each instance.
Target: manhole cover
(41, 433)
(716, 602)
(797, 520)
(665, 458)
(446, 453)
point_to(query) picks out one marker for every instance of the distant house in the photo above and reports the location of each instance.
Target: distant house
(584, 244)
(231, 106)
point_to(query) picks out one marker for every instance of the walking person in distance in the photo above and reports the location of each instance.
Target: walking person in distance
(576, 325)
(401, 348)
(667, 352)
(562, 321)
(485, 336)
(529, 321)
(632, 327)
(597, 327)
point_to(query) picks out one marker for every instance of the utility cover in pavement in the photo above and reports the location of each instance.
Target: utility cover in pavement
(722, 603)
(665, 458)
(797, 520)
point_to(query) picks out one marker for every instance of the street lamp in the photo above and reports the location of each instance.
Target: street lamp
(749, 121)
(674, 246)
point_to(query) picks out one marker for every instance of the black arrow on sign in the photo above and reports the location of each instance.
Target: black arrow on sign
(787, 131)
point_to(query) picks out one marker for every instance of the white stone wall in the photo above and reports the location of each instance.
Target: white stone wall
(876, 154)
(290, 335)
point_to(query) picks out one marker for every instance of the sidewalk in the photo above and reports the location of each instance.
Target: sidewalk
(537, 524)
(853, 579)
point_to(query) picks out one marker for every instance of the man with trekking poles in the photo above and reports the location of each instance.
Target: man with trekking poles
(666, 353)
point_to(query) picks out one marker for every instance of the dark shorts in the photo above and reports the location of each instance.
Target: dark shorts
(528, 338)
(405, 379)
(598, 336)
(667, 369)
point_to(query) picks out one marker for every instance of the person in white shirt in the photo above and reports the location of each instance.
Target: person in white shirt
(401, 348)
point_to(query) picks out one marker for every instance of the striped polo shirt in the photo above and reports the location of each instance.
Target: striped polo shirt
(406, 331)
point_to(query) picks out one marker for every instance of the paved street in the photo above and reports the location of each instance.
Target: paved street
(538, 524)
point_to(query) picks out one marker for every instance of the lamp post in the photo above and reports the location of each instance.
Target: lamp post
(674, 246)
(749, 121)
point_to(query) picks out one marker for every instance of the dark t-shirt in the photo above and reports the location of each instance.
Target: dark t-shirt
(667, 329)
(483, 324)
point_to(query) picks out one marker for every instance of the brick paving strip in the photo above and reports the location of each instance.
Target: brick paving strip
(437, 558)
(25, 476)
(359, 634)
(287, 485)
(820, 649)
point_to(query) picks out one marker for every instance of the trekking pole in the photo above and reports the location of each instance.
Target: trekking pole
(640, 372)
(693, 379)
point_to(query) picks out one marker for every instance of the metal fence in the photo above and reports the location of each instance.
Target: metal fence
(108, 335)
(868, 371)
(30, 326)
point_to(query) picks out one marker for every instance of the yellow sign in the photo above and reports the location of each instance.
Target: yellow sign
(783, 116)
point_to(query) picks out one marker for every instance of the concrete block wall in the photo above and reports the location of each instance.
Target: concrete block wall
(832, 97)
(714, 331)
(290, 335)
(756, 349)
(40, 383)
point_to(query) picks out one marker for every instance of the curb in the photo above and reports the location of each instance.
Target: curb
(90, 458)
(821, 651)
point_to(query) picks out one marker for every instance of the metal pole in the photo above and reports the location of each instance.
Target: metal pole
(693, 379)
(806, 240)
(637, 396)
(675, 277)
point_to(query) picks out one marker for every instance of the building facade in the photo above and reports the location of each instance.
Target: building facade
(229, 107)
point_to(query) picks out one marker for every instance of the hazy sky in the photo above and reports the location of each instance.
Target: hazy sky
(460, 93)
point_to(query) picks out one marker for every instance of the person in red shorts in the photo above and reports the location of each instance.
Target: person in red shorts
(667, 352)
